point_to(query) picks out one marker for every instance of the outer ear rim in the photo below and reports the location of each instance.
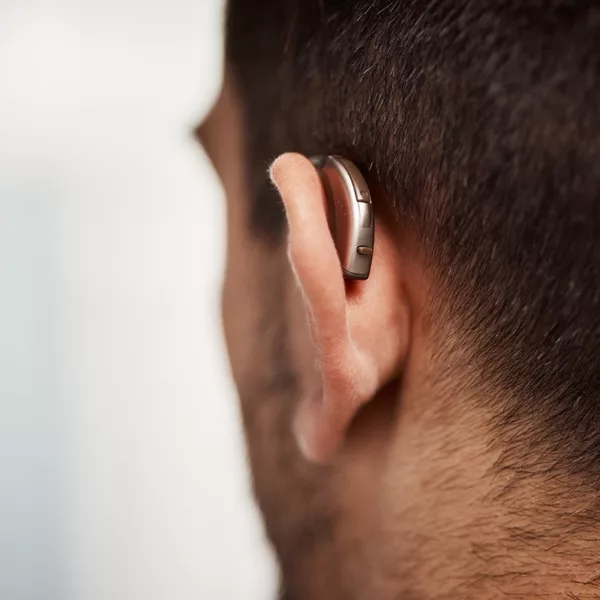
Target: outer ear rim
(349, 354)
(311, 249)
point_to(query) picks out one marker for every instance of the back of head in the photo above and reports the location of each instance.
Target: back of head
(480, 122)
(477, 125)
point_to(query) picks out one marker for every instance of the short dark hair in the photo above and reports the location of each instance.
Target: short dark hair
(479, 125)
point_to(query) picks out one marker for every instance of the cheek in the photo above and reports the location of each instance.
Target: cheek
(251, 285)
(238, 297)
(240, 305)
(260, 297)
(233, 321)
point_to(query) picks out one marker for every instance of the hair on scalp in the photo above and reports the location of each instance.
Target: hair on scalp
(479, 125)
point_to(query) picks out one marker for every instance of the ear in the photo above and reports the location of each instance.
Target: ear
(360, 329)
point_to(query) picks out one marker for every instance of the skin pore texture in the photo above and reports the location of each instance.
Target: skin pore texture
(379, 474)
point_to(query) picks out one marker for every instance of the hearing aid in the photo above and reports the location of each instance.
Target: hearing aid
(350, 214)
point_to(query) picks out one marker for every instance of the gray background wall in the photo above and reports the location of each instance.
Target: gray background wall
(121, 463)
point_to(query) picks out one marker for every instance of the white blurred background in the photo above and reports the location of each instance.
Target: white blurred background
(122, 472)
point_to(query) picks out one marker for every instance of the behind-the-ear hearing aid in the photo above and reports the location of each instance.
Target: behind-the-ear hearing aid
(350, 215)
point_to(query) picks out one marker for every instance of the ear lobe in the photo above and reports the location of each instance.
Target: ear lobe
(359, 329)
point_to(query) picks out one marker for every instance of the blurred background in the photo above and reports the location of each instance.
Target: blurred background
(122, 469)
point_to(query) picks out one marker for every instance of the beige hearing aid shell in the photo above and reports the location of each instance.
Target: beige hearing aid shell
(350, 214)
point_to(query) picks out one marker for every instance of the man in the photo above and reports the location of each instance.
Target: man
(434, 431)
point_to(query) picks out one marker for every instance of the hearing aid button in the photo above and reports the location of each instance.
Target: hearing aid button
(365, 250)
(366, 214)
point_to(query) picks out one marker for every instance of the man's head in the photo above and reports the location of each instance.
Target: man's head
(434, 431)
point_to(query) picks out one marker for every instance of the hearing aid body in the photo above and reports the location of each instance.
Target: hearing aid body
(350, 214)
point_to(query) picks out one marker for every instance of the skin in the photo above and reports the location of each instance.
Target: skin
(375, 469)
